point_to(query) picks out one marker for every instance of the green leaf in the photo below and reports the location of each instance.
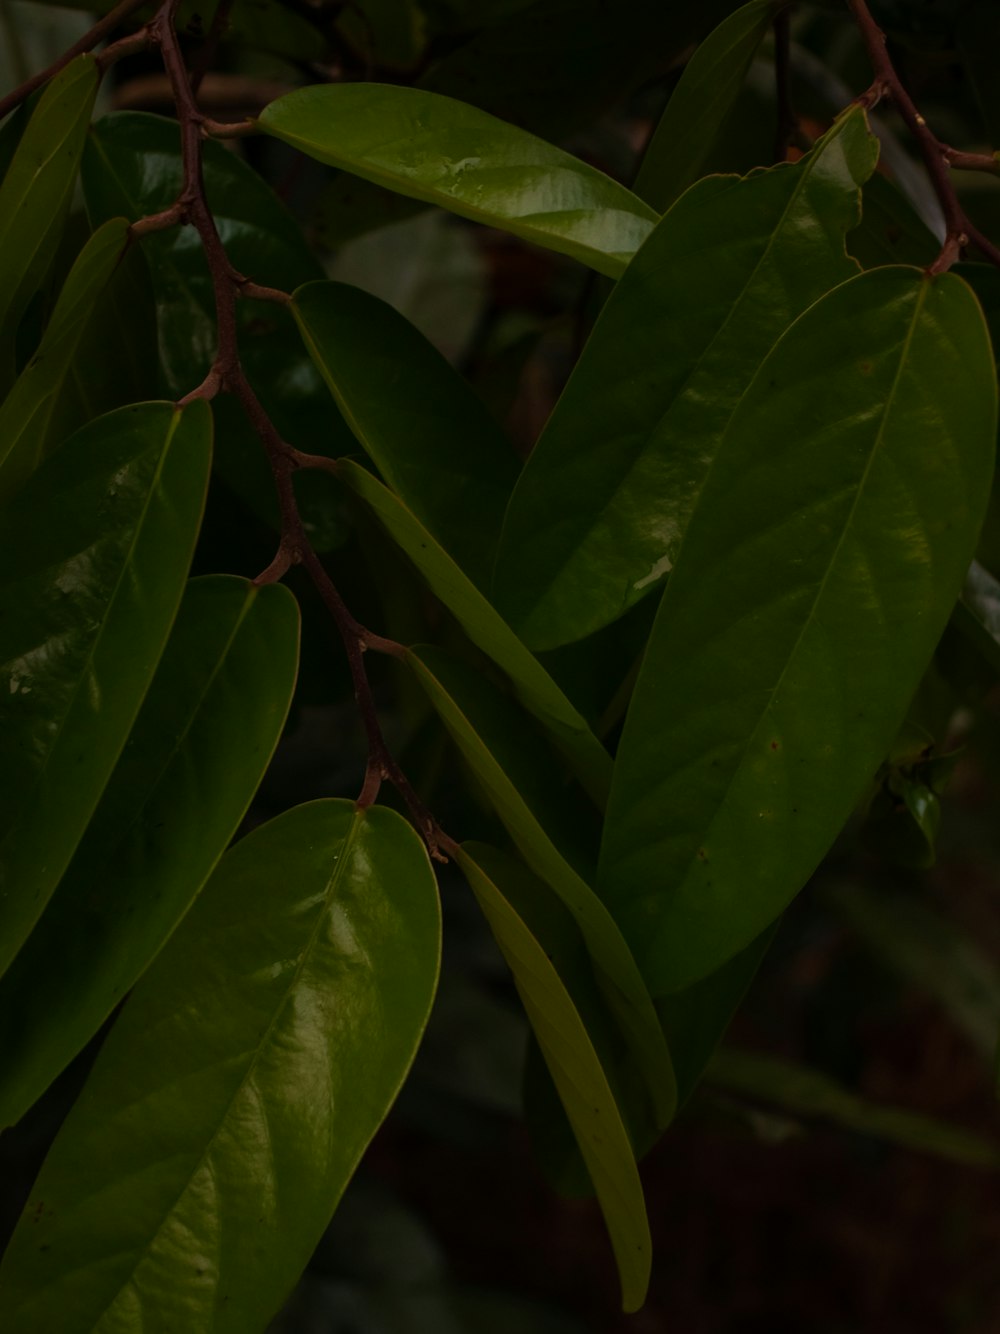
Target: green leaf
(534, 687)
(449, 153)
(131, 167)
(511, 765)
(891, 230)
(94, 552)
(36, 193)
(197, 752)
(818, 573)
(598, 517)
(701, 103)
(239, 1088)
(116, 361)
(576, 1071)
(26, 413)
(429, 434)
(805, 1092)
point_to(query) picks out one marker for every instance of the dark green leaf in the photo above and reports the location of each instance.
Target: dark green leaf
(534, 687)
(575, 1068)
(804, 1092)
(429, 434)
(449, 153)
(195, 756)
(94, 552)
(700, 104)
(236, 1093)
(816, 578)
(131, 167)
(36, 193)
(598, 516)
(524, 790)
(26, 413)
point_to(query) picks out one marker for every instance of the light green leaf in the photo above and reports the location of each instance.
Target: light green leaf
(496, 742)
(448, 153)
(197, 752)
(576, 1071)
(534, 687)
(236, 1093)
(94, 552)
(804, 1092)
(598, 517)
(700, 104)
(26, 413)
(36, 192)
(818, 573)
(429, 434)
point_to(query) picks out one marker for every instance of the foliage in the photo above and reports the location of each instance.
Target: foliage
(632, 686)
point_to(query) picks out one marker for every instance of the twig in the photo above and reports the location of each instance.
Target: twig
(203, 60)
(787, 120)
(226, 375)
(938, 157)
(103, 28)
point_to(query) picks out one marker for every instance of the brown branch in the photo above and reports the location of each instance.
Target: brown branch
(787, 120)
(938, 157)
(103, 28)
(226, 375)
(203, 60)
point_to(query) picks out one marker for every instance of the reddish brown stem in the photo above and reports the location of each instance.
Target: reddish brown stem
(226, 375)
(938, 157)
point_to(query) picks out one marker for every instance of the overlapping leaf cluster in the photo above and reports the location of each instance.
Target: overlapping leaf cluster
(790, 455)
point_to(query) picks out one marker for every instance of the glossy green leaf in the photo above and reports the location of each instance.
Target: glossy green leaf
(194, 758)
(534, 687)
(818, 573)
(576, 1071)
(524, 790)
(429, 434)
(36, 192)
(26, 413)
(700, 104)
(804, 1092)
(449, 153)
(131, 167)
(598, 517)
(572, 65)
(236, 1093)
(94, 552)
